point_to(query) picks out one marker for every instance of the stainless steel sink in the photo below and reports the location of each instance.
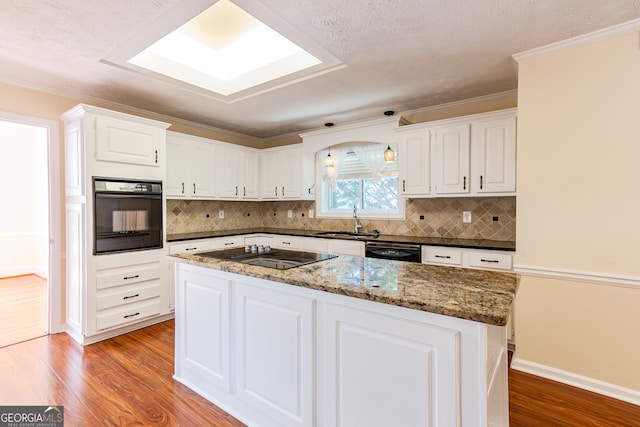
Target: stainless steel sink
(347, 234)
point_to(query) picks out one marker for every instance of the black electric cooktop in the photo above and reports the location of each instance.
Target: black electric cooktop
(277, 258)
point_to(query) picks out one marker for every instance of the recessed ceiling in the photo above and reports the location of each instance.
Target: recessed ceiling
(224, 52)
(384, 55)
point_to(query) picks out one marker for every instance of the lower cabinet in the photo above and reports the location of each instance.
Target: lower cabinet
(276, 355)
(409, 369)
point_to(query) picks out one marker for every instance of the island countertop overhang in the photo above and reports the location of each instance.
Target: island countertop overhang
(476, 295)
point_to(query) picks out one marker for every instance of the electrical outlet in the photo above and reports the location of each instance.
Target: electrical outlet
(289, 213)
(221, 213)
(310, 213)
(466, 217)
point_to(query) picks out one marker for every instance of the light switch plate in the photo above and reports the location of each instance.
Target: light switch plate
(466, 217)
(289, 213)
(310, 213)
(221, 213)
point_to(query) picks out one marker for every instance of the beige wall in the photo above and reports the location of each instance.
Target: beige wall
(578, 204)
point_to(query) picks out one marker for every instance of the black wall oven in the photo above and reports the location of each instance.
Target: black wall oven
(127, 215)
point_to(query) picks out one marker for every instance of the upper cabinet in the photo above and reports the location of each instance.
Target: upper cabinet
(286, 174)
(466, 156)
(190, 167)
(494, 153)
(238, 172)
(126, 141)
(414, 164)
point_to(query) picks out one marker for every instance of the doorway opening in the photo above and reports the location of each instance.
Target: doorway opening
(30, 304)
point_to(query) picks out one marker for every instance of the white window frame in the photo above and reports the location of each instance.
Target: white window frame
(322, 200)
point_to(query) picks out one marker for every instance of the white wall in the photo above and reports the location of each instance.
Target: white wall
(577, 215)
(24, 191)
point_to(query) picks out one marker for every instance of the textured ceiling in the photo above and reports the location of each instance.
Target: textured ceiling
(399, 54)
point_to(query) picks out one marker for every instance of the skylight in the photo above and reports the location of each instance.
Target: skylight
(225, 50)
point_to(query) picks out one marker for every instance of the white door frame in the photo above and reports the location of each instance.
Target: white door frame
(55, 236)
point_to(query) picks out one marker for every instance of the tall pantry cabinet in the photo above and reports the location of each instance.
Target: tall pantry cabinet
(109, 294)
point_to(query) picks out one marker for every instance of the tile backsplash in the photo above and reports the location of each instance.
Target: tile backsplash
(493, 218)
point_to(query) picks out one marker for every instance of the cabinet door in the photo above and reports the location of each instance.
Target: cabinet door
(250, 175)
(289, 170)
(396, 363)
(122, 141)
(494, 144)
(177, 169)
(202, 329)
(451, 160)
(202, 171)
(275, 353)
(230, 162)
(414, 165)
(268, 182)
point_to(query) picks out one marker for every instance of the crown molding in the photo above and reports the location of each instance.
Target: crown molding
(578, 41)
(492, 97)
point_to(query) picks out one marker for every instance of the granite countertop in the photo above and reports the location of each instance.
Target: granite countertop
(477, 295)
(421, 240)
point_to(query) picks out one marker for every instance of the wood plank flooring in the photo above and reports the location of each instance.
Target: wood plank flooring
(126, 381)
(23, 308)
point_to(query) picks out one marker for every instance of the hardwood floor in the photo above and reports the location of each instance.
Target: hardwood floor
(126, 381)
(23, 308)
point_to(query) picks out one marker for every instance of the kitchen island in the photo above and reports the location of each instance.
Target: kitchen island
(345, 342)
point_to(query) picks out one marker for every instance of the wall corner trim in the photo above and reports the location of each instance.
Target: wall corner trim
(577, 380)
(582, 40)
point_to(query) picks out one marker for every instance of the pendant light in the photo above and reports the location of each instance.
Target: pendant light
(389, 154)
(329, 162)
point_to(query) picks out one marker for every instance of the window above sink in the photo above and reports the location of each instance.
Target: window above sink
(360, 178)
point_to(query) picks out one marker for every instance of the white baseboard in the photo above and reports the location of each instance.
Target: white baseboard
(24, 270)
(576, 380)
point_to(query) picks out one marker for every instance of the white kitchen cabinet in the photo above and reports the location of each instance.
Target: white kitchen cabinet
(238, 173)
(414, 164)
(346, 247)
(190, 167)
(105, 143)
(286, 174)
(468, 156)
(450, 159)
(482, 259)
(494, 154)
(123, 140)
(203, 346)
(409, 369)
(300, 357)
(275, 338)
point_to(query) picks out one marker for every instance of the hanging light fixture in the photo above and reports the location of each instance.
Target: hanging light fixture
(389, 154)
(329, 162)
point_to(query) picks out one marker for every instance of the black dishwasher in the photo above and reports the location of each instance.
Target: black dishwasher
(393, 251)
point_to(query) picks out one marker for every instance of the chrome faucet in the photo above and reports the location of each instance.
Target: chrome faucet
(357, 226)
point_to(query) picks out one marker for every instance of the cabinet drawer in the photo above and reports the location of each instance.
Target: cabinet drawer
(125, 276)
(127, 314)
(121, 295)
(446, 256)
(230, 242)
(193, 246)
(491, 260)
